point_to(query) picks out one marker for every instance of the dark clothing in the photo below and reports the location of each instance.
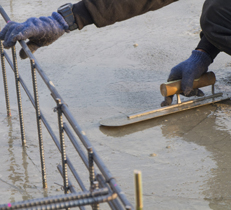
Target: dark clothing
(216, 23)
(216, 26)
(107, 12)
(205, 45)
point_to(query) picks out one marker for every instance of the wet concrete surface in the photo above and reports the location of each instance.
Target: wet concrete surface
(184, 158)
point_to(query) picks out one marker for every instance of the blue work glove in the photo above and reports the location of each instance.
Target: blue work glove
(188, 70)
(40, 31)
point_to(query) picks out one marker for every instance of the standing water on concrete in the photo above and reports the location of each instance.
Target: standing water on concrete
(103, 72)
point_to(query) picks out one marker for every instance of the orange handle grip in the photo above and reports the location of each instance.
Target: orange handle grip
(174, 87)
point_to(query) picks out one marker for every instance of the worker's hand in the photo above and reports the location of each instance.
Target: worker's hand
(40, 31)
(188, 70)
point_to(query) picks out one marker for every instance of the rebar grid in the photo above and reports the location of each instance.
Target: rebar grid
(105, 180)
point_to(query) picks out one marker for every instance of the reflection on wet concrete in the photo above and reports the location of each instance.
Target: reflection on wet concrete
(17, 166)
(207, 126)
(16, 176)
(204, 129)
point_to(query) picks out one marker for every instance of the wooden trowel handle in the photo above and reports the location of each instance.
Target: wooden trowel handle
(174, 87)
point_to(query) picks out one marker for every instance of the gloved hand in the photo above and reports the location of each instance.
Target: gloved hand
(188, 70)
(40, 31)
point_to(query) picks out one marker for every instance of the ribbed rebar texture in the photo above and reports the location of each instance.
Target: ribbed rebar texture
(83, 198)
(17, 84)
(39, 126)
(62, 144)
(5, 80)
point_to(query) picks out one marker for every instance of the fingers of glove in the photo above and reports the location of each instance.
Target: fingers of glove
(187, 84)
(194, 92)
(167, 101)
(175, 73)
(5, 30)
(199, 93)
(20, 31)
(13, 35)
(32, 46)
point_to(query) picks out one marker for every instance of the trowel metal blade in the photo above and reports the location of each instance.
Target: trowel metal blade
(123, 120)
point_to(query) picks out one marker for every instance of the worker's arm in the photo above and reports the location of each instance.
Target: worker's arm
(45, 30)
(107, 12)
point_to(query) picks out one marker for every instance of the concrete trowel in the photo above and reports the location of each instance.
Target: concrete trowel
(168, 89)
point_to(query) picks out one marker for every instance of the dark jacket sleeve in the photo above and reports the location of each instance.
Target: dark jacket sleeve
(216, 23)
(205, 45)
(107, 12)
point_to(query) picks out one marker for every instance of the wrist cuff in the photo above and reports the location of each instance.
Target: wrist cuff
(205, 45)
(82, 15)
(59, 18)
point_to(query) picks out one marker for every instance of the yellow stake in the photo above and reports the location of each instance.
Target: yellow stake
(138, 190)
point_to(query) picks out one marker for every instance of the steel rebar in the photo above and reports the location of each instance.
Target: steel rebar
(62, 143)
(107, 174)
(91, 166)
(114, 204)
(19, 98)
(95, 206)
(76, 144)
(7, 99)
(52, 200)
(39, 126)
(71, 187)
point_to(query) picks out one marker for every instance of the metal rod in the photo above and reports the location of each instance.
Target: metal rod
(75, 174)
(91, 173)
(4, 15)
(91, 166)
(71, 187)
(5, 80)
(17, 82)
(58, 199)
(178, 98)
(107, 174)
(62, 143)
(96, 186)
(39, 126)
(76, 144)
(138, 190)
(75, 203)
(101, 180)
(114, 204)
(213, 89)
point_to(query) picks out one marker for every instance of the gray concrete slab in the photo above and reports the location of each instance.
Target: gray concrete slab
(184, 158)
